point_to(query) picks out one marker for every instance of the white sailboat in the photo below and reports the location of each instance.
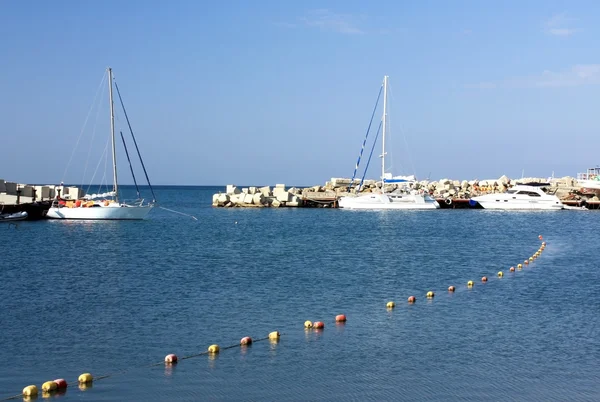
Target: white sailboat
(106, 206)
(398, 199)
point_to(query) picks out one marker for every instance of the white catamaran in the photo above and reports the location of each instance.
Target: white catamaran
(398, 199)
(107, 205)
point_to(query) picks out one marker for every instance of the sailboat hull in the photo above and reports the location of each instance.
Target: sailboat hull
(122, 212)
(388, 201)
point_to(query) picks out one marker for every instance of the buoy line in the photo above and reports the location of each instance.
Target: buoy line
(50, 387)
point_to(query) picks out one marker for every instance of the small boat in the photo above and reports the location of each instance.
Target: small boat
(520, 197)
(36, 210)
(590, 179)
(401, 198)
(106, 205)
(17, 216)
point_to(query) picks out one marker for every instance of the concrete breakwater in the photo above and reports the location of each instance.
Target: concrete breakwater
(567, 189)
(12, 193)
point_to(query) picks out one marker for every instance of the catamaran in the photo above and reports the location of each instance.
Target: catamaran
(402, 198)
(106, 205)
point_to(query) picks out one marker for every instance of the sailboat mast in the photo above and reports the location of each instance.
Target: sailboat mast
(112, 134)
(385, 78)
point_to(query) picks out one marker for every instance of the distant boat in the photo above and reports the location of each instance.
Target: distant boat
(106, 205)
(399, 199)
(590, 179)
(17, 216)
(520, 197)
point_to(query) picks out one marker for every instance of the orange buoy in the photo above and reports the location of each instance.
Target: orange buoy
(245, 341)
(340, 318)
(512, 269)
(61, 383)
(171, 359)
(412, 299)
(540, 237)
(451, 288)
(484, 279)
(319, 325)
(526, 262)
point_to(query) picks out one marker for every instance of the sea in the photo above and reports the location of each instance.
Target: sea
(113, 298)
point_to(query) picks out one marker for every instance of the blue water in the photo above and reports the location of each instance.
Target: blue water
(112, 298)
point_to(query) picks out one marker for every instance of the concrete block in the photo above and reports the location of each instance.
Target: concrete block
(2, 186)
(265, 191)
(282, 196)
(247, 198)
(258, 199)
(275, 204)
(42, 192)
(11, 188)
(231, 189)
(252, 190)
(26, 190)
(8, 199)
(281, 186)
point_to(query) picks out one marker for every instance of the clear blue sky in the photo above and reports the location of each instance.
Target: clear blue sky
(265, 92)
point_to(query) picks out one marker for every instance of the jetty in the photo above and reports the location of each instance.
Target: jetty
(448, 192)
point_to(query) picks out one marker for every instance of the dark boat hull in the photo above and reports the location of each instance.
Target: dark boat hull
(35, 210)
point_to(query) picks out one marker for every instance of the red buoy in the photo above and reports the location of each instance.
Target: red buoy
(484, 279)
(61, 383)
(340, 318)
(451, 288)
(171, 359)
(512, 269)
(318, 325)
(246, 341)
(412, 299)
(540, 237)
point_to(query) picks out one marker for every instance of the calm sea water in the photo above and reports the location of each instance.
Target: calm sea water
(112, 298)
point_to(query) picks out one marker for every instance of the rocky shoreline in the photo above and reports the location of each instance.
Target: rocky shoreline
(565, 188)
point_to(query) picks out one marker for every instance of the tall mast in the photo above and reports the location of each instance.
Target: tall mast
(112, 134)
(385, 78)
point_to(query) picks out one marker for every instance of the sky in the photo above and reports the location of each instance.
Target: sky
(267, 92)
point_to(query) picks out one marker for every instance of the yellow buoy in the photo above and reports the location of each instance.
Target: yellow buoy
(530, 258)
(85, 378)
(274, 335)
(213, 348)
(308, 324)
(500, 274)
(470, 284)
(520, 266)
(390, 304)
(30, 390)
(430, 294)
(49, 386)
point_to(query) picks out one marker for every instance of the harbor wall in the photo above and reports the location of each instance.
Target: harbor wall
(565, 188)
